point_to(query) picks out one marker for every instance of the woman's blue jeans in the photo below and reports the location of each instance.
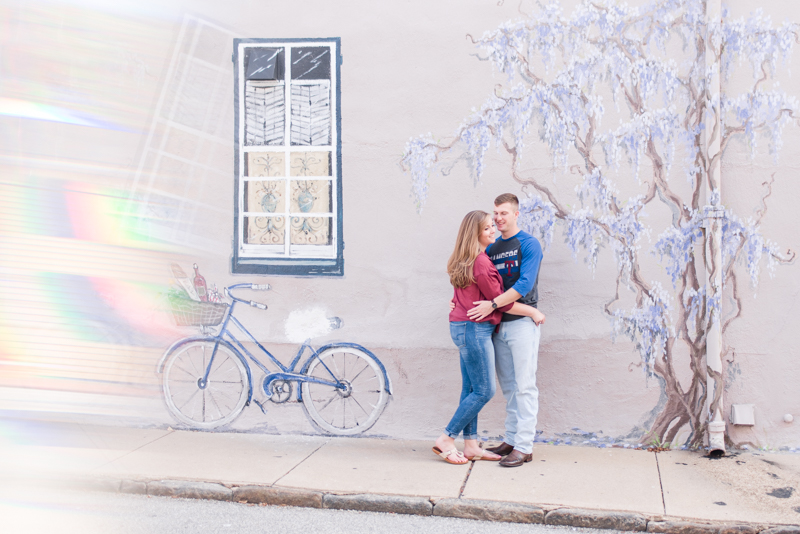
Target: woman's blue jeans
(474, 342)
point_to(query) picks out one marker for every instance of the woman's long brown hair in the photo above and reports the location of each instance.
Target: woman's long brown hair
(467, 249)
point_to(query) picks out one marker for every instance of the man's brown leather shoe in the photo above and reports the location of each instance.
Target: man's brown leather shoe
(502, 449)
(515, 459)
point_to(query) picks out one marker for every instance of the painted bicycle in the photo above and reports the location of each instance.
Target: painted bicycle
(207, 379)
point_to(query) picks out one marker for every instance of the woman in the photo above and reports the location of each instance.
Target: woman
(474, 277)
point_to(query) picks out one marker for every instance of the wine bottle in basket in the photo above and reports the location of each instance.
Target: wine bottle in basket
(184, 281)
(200, 285)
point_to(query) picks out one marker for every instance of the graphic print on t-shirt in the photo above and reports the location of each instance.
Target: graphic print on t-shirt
(506, 261)
(517, 259)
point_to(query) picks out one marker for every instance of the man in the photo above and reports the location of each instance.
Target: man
(517, 256)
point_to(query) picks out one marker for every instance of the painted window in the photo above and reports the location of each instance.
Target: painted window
(288, 216)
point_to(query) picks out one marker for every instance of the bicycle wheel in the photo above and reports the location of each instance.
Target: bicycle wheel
(355, 408)
(209, 405)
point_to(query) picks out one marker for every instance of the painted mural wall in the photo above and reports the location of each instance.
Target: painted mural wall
(138, 168)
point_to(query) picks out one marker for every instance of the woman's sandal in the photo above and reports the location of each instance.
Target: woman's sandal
(446, 455)
(479, 456)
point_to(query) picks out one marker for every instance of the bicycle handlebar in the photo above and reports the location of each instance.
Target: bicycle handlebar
(252, 303)
(258, 305)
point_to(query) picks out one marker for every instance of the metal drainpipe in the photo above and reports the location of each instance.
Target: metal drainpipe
(716, 425)
(713, 254)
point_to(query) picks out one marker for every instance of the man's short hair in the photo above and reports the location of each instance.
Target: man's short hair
(509, 198)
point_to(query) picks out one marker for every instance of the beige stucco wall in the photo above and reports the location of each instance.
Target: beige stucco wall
(408, 68)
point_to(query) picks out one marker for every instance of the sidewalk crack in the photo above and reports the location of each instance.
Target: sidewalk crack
(466, 478)
(301, 462)
(129, 452)
(661, 485)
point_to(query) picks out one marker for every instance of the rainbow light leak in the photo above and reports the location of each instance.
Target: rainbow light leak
(81, 281)
(13, 107)
(82, 313)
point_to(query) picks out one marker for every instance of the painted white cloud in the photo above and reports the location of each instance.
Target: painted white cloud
(306, 324)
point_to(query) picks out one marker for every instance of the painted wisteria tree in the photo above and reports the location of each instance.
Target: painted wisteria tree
(673, 121)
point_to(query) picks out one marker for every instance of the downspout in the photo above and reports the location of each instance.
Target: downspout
(713, 215)
(715, 385)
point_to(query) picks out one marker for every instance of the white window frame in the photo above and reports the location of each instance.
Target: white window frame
(288, 258)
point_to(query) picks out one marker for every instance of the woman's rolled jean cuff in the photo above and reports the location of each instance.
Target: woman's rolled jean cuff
(455, 436)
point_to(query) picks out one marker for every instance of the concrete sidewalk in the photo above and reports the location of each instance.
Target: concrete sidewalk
(624, 489)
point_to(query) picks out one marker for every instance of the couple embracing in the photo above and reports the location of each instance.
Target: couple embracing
(495, 325)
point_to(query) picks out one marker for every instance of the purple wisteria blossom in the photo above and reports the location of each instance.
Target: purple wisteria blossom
(536, 217)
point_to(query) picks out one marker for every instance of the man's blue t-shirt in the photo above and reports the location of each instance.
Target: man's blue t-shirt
(517, 259)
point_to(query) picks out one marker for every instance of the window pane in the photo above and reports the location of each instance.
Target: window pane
(266, 197)
(311, 230)
(265, 164)
(264, 230)
(263, 64)
(311, 114)
(311, 63)
(311, 196)
(264, 111)
(192, 108)
(310, 164)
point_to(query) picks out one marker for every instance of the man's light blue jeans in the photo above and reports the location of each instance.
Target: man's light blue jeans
(516, 349)
(474, 342)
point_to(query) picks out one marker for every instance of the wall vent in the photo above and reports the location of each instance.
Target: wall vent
(743, 414)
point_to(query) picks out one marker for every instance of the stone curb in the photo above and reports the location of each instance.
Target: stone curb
(686, 527)
(277, 496)
(189, 490)
(577, 517)
(133, 486)
(442, 507)
(489, 511)
(379, 503)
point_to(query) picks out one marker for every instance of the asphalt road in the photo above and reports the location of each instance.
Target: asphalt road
(39, 510)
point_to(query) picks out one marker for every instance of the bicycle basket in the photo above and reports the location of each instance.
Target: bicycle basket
(193, 313)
